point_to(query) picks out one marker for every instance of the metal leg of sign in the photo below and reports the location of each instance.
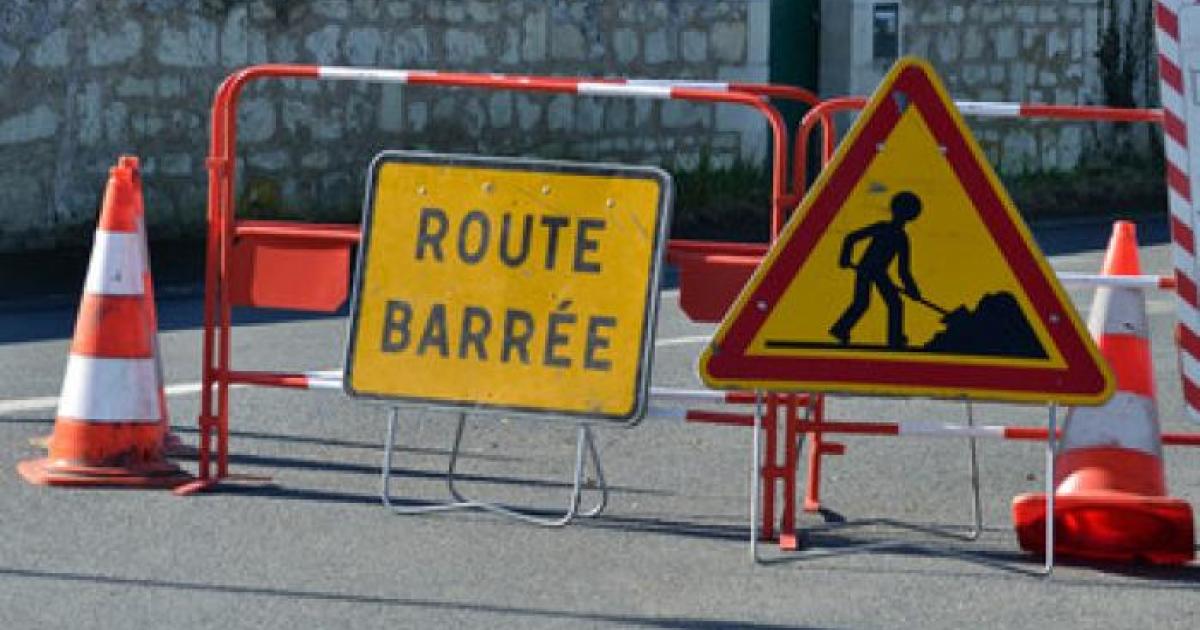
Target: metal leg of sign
(1051, 429)
(386, 476)
(976, 509)
(585, 448)
(755, 475)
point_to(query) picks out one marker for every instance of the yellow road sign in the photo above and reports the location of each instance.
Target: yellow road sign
(908, 270)
(520, 285)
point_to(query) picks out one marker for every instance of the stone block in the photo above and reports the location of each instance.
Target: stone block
(400, 10)
(362, 46)
(727, 41)
(136, 87)
(317, 160)
(483, 12)
(323, 44)
(176, 164)
(500, 109)
(529, 112)
(567, 42)
(106, 48)
(51, 52)
(560, 113)
(512, 46)
(170, 87)
(589, 116)
(683, 114)
(418, 116)
(1005, 41)
(536, 27)
(274, 160)
(625, 45)
(256, 120)
(391, 108)
(20, 192)
(39, 123)
(332, 9)
(660, 46)
(368, 9)
(193, 47)
(235, 42)
(693, 46)
(409, 48)
(465, 47)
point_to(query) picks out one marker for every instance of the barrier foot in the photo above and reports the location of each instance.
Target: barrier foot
(205, 485)
(195, 487)
(755, 475)
(585, 448)
(973, 463)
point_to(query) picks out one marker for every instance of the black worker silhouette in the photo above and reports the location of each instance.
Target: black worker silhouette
(888, 243)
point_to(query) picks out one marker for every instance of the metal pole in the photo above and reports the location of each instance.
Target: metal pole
(1050, 446)
(755, 475)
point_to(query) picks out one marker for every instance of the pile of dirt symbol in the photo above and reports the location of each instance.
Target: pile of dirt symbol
(996, 327)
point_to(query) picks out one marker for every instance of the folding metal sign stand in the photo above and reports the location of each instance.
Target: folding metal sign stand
(585, 448)
(755, 474)
(1051, 429)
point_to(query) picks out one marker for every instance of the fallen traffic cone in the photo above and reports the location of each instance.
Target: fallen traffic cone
(1111, 500)
(109, 426)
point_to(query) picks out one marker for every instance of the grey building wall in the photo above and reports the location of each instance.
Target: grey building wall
(1066, 52)
(82, 81)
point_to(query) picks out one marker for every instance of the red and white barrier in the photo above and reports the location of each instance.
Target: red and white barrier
(1181, 119)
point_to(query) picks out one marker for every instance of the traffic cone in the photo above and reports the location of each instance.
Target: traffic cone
(1111, 500)
(171, 441)
(109, 427)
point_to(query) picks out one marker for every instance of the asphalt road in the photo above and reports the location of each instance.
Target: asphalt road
(315, 549)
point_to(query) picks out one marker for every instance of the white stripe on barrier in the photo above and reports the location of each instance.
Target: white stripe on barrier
(116, 265)
(989, 109)
(1179, 207)
(1167, 46)
(586, 88)
(1176, 153)
(97, 389)
(378, 75)
(1187, 316)
(934, 429)
(1182, 258)
(682, 341)
(1173, 101)
(668, 394)
(1097, 280)
(654, 412)
(717, 86)
(1189, 367)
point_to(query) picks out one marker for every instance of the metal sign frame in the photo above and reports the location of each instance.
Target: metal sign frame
(1085, 378)
(629, 417)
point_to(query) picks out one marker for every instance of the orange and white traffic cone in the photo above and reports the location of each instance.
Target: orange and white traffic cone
(109, 426)
(171, 441)
(1111, 500)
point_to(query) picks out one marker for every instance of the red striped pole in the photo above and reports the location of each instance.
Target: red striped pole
(1178, 117)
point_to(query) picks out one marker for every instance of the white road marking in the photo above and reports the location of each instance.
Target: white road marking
(19, 405)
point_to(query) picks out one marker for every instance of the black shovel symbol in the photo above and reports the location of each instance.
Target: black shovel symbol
(949, 318)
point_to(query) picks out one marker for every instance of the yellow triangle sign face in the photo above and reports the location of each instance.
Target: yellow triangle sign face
(907, 270)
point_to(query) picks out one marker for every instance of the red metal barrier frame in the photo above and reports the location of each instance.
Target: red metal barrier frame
(223, 226)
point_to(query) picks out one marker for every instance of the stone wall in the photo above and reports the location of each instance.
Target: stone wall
(1040, 51)
(86, 80)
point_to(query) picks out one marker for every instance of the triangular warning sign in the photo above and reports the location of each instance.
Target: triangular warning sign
(908, 271)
